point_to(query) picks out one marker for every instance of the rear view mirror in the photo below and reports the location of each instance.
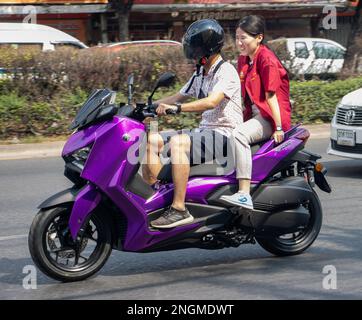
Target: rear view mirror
(165, 80)
(130, 88)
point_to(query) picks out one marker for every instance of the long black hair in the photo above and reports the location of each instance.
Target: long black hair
(255, 25)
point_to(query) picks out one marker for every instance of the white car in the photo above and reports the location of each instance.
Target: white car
(346, 127)
(35, 36)
(309, 56)
(23, 35)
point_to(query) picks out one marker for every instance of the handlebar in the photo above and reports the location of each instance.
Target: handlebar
(170, 111)
(150, 110)
(143, 111)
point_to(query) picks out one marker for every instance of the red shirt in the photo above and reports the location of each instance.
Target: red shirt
(265, 74)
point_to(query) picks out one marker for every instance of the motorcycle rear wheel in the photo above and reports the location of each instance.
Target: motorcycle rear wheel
(298, 242)
(60, 257)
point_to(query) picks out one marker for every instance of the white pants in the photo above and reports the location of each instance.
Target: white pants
(252, 131)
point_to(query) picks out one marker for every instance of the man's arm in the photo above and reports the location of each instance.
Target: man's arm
(178, 97)
(210, 102)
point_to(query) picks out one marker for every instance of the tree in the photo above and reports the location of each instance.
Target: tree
(122, 9)
(353, 59)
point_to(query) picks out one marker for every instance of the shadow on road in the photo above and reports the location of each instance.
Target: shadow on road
(344, 168)
(255, 270)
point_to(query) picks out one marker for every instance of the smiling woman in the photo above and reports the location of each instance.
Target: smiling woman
(265, 90)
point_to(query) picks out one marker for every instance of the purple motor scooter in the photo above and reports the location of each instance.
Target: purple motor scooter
(110, 206)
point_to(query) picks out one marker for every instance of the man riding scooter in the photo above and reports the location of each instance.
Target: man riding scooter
(216, 85)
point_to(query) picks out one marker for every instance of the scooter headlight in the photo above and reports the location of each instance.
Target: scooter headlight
(79, 157)
(81, 154)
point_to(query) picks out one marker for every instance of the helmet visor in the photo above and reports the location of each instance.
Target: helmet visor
(192, 52)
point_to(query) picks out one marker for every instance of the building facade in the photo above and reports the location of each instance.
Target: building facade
(93, 21)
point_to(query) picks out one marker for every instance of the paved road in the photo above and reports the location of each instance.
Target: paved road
(247, 272)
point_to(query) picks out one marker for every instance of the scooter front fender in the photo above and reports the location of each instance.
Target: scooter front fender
(85, 202)
(65, 197)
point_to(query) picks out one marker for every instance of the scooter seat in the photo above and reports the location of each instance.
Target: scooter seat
(206, 169)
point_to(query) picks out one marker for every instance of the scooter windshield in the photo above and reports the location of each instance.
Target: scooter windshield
(89, 110)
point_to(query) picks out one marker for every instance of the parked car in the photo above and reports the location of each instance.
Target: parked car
(346, 127)
(26, 35)
(309, 56)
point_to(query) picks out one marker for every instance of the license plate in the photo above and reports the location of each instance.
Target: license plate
(346, 138)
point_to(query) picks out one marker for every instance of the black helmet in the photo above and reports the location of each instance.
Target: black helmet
(203, 38)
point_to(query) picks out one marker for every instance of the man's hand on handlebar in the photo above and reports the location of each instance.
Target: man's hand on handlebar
(164, 109)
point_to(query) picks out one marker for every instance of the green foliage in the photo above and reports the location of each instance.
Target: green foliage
(315, 101)
(20, 116)
(11, 109)
(42, 91)
(44, 75)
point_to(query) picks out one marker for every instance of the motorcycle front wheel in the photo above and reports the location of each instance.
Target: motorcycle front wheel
(56, 254)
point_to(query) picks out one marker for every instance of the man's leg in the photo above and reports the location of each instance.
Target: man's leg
(177, 214)
(152, 167)
(180, 149)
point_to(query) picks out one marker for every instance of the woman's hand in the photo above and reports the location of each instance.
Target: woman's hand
(278, 136)
(162, 107)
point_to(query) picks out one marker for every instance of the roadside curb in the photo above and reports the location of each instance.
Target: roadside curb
(54, 149)
(319, 131)
(31, 150)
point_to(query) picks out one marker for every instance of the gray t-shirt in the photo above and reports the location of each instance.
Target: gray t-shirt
(229, 113)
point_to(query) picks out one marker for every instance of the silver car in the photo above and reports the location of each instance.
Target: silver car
(346, 127)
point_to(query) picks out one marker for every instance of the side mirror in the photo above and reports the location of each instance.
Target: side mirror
(165, 80)
(130, 88)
